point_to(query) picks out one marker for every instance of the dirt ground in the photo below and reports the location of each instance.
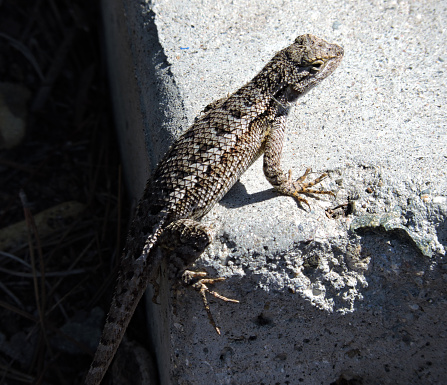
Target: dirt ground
(63, 212)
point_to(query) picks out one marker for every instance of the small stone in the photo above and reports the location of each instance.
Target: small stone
(336, 25)
(13, 113)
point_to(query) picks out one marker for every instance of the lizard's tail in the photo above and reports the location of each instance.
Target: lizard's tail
(131, 285)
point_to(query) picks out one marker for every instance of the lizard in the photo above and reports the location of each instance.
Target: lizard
(200, 168)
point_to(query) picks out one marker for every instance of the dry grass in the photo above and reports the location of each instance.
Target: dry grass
(68, 154)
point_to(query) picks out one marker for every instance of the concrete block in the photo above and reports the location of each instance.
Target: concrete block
(351, 291)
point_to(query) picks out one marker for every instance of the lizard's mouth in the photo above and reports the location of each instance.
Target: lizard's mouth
(316, 66)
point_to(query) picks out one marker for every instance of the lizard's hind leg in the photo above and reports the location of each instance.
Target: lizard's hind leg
(184, 240)
(197, 280)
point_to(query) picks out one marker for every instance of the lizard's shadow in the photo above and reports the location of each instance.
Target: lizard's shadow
(239, 197)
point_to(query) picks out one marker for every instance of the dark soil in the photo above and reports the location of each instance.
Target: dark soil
(50, 283)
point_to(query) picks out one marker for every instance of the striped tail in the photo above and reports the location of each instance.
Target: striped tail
(131, 284)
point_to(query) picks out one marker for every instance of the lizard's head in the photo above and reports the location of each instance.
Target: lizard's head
(312, 59)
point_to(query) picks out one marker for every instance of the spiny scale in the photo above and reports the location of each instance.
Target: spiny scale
(204, 163)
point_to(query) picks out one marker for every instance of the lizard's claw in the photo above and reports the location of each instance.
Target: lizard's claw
(201, 286)
(301, 187)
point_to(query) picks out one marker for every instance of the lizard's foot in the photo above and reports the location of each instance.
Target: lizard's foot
(197, 280)
(294, 188)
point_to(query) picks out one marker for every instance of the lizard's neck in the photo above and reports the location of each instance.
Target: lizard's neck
(272, 79)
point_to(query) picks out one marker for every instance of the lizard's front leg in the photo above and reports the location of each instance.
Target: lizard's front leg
(281, 181)
(184, 240)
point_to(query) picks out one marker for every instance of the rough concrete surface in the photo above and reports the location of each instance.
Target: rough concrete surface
(356, 295)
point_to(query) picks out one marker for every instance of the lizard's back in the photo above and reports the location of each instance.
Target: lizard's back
(206, 161)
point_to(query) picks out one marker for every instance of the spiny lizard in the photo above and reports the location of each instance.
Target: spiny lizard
(200, 168)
